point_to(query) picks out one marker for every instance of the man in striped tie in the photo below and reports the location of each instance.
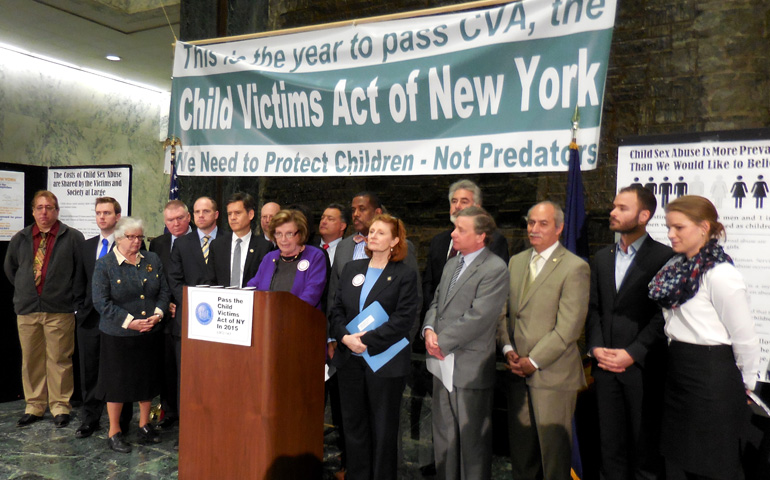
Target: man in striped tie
(40, 264)
(107, 211)
(187, 266)
(459, 330)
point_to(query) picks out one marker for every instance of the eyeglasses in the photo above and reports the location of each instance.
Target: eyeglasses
(40, 208)
(287, 235)
(131, 238)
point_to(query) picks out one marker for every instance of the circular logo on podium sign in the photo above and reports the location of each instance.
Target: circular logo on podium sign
(204, 313)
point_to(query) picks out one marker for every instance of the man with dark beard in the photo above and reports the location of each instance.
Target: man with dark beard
(624, 335)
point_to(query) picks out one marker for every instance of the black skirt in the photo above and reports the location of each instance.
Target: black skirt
(705, 411)
(130, 368)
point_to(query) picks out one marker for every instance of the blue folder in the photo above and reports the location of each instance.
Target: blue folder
(370, 318)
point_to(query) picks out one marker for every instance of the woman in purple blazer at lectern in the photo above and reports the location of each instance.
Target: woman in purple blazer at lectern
(295, 267)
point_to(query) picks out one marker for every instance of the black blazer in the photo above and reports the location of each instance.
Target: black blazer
(161, 246)
(85, 314)
(627, 318)
(437, 256)
(186, 267)
(219, 258)
(397, 292)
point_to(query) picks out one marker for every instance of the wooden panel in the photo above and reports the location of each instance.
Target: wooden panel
(255, 412)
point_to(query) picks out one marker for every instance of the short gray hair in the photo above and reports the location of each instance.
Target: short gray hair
(482, 222)
(128, 224)
(466, 184)
(558, 213)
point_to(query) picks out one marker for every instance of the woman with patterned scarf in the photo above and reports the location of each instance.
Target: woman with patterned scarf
(713, 351)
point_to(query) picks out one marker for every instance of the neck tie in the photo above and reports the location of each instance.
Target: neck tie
(205, 248)
(37, 264)
(105, 247)
(235, 271)
(325, 246)
(456, 275)
(532, 271)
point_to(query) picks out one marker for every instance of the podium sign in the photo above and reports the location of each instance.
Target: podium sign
(220, 315)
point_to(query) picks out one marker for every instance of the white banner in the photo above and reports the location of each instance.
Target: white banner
(78, 188)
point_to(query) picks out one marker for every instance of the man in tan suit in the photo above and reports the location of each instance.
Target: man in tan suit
(538, 333)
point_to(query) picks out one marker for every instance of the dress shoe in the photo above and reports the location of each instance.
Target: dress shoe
(428, 470)
(148, 434)
(85, 430)
(28, 419)
(117, 444)
(61, 420)
(167, 423)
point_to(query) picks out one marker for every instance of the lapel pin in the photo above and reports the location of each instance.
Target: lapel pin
(389, 278)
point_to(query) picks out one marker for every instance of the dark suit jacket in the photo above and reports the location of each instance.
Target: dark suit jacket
(186, 267)
(437, 256)
(219, 257)
(161, 246)
(85, 315)
(627, 318)
(397, 292)
(344, 254)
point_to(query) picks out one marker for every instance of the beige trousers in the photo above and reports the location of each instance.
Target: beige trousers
(47, 343)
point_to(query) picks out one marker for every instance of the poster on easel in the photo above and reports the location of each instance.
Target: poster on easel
(732, 169)
(77, 189)
(11, 203)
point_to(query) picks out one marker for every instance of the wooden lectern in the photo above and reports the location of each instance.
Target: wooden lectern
(255, 412)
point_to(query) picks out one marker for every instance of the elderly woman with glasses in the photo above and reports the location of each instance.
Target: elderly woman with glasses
(295, 267)
(131, 295)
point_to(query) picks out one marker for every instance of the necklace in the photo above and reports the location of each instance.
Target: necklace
(290, 259)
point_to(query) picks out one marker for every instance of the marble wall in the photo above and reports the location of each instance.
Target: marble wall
(52, 115)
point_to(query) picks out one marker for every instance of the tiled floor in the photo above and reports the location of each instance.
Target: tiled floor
(42, 452)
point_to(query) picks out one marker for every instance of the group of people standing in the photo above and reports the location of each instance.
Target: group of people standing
(668, 329)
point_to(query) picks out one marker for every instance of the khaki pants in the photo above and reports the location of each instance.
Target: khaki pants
(47, 343)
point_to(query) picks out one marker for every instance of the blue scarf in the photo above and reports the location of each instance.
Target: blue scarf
(678, 282)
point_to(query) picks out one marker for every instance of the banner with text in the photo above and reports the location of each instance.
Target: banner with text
(733, 174)
(489, 90)
(77, 189)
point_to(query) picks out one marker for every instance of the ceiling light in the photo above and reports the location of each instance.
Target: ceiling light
(113, 58)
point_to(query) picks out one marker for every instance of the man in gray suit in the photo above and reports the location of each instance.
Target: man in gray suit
(462, 320)
(538, 335)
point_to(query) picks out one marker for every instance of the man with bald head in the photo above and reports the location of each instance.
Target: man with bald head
(538, 333)
(266, 214)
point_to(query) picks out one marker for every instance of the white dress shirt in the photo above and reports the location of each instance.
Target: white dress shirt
(110, 241)
(719, 315)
